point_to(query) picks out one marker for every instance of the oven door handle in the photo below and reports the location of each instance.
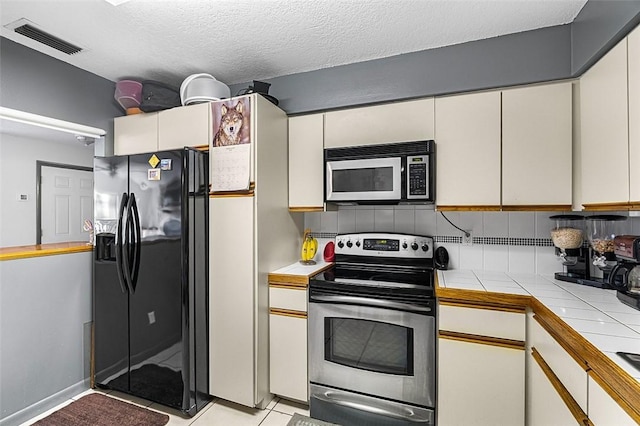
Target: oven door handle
(351, 401)
(365, 301)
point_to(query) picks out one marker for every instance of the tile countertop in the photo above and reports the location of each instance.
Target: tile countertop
(596, 314)
(297, 273)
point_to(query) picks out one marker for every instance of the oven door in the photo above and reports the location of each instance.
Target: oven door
(371, 179)
(372, 346)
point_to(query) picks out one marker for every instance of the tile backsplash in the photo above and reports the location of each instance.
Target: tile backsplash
(502, 241)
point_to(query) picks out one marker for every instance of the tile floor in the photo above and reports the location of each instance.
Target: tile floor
(217, 412)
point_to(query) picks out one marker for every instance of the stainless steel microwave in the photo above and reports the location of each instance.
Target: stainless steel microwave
(381, 174)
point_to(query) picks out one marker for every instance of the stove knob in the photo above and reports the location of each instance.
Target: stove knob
(414, 246)
(404, 245)
(349, 244)
(340, 244)
(357, 243)
(425, 247)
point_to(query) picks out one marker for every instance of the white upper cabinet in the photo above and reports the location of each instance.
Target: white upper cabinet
(536, 145)
(468, 150)
(604, 129)
(394, 122)
(306, 162)
(634, 113)
(184, 126)
(164, 130)
(135, 134)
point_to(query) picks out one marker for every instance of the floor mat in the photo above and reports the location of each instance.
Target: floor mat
(100, 410)
(300, 420)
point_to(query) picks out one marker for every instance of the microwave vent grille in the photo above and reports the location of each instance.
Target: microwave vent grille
(386, 150)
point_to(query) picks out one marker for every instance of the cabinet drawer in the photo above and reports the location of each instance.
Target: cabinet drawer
(482, 322)
(569, 372)
(288, 298)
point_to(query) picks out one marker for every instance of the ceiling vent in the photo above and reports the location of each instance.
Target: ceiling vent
(28, 29)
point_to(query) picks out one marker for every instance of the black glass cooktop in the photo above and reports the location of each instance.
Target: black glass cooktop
(633, 359)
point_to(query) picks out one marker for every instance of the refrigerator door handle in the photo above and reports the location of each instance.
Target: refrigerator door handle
(127, 252)
(137, 243)
(119, 244)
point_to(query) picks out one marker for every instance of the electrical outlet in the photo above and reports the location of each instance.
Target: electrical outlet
(152, 317)
(467, 239)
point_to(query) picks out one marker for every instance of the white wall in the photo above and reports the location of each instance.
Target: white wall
(18, 158)
(520, 240)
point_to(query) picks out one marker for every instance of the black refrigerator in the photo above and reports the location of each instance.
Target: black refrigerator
(150, 287)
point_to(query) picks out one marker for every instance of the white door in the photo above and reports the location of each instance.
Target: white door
(66, 201)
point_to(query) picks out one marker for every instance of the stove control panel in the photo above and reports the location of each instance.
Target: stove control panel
(385, 245)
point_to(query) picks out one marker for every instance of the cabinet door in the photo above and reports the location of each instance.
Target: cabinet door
(306, 162)
(184, 126)
(232, 291)
(604, 410)
(604, 129)
(536, 145)
(634, 112)
(571, 374)
(480, 384)
(545, 406)
(468, 150)
(394, 122)
(288, 356)
(135, 134)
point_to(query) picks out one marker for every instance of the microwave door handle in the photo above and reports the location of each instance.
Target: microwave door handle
(351, 401)
(365, 301)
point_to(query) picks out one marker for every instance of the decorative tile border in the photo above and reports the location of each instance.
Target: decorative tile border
(452, 239)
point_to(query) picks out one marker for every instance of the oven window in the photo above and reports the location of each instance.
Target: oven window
(369, 345)
(363, 180)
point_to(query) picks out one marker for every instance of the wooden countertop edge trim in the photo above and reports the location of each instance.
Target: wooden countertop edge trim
(483, 340)
(294, 279)
(288, 285)
(573, 406)
(623, 403)
(483, 298)
(557, 335)
(39, 250)
(288, 313)
(479, 305)
(621, 384)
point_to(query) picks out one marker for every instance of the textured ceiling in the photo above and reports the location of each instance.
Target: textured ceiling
(242, 40)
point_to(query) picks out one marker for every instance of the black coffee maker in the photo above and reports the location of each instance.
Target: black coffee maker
(625, 276)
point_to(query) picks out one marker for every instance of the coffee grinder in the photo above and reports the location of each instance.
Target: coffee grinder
(568, 237)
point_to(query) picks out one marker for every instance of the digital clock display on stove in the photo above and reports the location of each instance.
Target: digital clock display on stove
(381, 245)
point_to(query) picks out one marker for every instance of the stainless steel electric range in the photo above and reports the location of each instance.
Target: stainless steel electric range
(372, 332)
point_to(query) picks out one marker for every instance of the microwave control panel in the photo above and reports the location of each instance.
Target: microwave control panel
(417, 176)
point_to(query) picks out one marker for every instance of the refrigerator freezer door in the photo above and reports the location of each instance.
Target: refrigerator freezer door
(111, 299)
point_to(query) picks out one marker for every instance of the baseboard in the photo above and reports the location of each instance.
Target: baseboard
(45, 404)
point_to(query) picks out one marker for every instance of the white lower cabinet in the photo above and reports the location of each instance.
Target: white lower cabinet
(480, 384)
(481, 366)
(604, 410)
(545, 406)
(288, 372)
(572, 375)
(288, 356)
